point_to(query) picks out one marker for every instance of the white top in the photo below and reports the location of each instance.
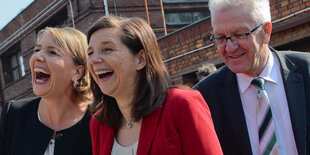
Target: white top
(51, 145)
(278, 104)
(117, 149)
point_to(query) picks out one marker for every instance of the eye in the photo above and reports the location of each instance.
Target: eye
(240, 36)
(90, 53)
(219, 39)
(36, 50)
(52, 52)
(107, 49)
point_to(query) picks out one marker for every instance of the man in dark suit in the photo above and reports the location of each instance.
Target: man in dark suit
(242, 30)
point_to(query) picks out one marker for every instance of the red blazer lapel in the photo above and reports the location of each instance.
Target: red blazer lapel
(148, 130)
(107, 138)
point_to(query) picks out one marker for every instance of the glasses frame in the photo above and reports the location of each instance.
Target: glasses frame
(232, 38)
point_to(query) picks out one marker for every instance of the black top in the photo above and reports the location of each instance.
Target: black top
(21, 132)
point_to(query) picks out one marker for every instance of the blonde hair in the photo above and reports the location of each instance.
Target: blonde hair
(74, 43)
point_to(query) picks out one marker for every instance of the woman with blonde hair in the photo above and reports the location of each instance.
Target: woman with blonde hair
(138, 113)
(56, 122)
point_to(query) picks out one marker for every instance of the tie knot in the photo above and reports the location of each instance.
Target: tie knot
(259, 83)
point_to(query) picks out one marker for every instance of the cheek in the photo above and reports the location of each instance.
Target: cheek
(31, 61)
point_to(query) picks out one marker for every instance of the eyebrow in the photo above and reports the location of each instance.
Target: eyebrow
(102, 43)
(50, 47)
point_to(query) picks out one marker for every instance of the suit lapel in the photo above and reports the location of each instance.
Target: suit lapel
(231, 103)
(294, 89)
(148, 130)
(107, 139)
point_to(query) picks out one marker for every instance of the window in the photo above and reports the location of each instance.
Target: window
(185, 0)
(57, 20)
(184, 17)
(13, 64)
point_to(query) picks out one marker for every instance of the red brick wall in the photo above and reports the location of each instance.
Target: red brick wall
(196, 36)
(23, 18)
(183, 50)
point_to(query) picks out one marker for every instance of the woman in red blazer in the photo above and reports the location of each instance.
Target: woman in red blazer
(137, 112)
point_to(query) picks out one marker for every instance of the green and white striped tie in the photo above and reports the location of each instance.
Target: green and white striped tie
(267, 137)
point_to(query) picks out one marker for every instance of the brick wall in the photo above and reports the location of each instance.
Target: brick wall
(183, 51)
(21, 19)
(85, 12)
(188, 48)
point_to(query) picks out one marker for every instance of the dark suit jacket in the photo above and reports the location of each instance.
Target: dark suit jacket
(183, 125)
(21, 132)
(220, 90)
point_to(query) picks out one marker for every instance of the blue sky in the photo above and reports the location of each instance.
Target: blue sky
(9, 9)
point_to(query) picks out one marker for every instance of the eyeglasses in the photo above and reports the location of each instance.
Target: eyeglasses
(221, 41)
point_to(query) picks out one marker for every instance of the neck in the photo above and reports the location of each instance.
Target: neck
(60, 113)
(124, 102)
(125, 107)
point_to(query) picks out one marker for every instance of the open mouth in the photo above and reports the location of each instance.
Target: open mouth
(41, 76)
(104, 74)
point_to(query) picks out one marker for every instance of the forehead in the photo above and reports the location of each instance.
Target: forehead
(232, 20)
(46, 38)
(105, 35)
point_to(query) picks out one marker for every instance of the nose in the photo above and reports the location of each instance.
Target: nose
(231, 46)
(94, 58)
(38, 56)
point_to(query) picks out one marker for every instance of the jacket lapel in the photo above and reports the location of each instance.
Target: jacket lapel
(107, 139)
(148, 130)
(294, 89)
(230, 98)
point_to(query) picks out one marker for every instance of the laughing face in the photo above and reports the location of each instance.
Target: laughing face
(111, 63)
(51, 68)
(249, 55)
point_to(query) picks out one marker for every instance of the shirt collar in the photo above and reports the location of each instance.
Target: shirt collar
(269, 73)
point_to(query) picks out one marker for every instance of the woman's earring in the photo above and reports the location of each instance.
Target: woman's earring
(74, 84)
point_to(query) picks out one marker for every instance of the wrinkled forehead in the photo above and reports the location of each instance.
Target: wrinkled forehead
(231, 20)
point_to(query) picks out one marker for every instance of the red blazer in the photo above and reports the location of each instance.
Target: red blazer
(182, 125)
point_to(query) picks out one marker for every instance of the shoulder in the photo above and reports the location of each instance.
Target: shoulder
(294, 56)
(95, 125)
(21, 105)
(213, 80)
(181, 94)
(179, 99)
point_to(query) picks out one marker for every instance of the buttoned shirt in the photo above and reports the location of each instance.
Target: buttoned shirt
(278, 104)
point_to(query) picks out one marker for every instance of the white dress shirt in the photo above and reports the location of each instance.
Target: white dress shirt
(278, 104)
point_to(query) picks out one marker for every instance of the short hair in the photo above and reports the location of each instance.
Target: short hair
(152, 80)
(259, 10)
(74, 43)
(205, 70)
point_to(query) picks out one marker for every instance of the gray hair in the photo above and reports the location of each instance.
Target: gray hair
(259, 10)
(205, 70)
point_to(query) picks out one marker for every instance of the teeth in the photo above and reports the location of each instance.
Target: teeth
(39, 81)
(103, 72)
(40, 70)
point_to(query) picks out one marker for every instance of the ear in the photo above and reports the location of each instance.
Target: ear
(78, 73)
(267, 27)
(140, 60)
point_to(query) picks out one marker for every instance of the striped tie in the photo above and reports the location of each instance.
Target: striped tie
(267, 138)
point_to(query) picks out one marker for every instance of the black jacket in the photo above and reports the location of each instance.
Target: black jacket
(220, 90)
(21, 132)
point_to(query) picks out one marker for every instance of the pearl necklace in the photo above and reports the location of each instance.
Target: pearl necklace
(129, 124)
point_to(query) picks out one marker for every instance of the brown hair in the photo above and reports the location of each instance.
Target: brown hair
(74, 43)
(152, 80)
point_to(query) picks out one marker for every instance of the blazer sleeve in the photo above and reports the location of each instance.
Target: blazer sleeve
(195, 125)
(3, 129)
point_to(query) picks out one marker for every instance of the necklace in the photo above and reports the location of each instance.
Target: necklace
(129, 124)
